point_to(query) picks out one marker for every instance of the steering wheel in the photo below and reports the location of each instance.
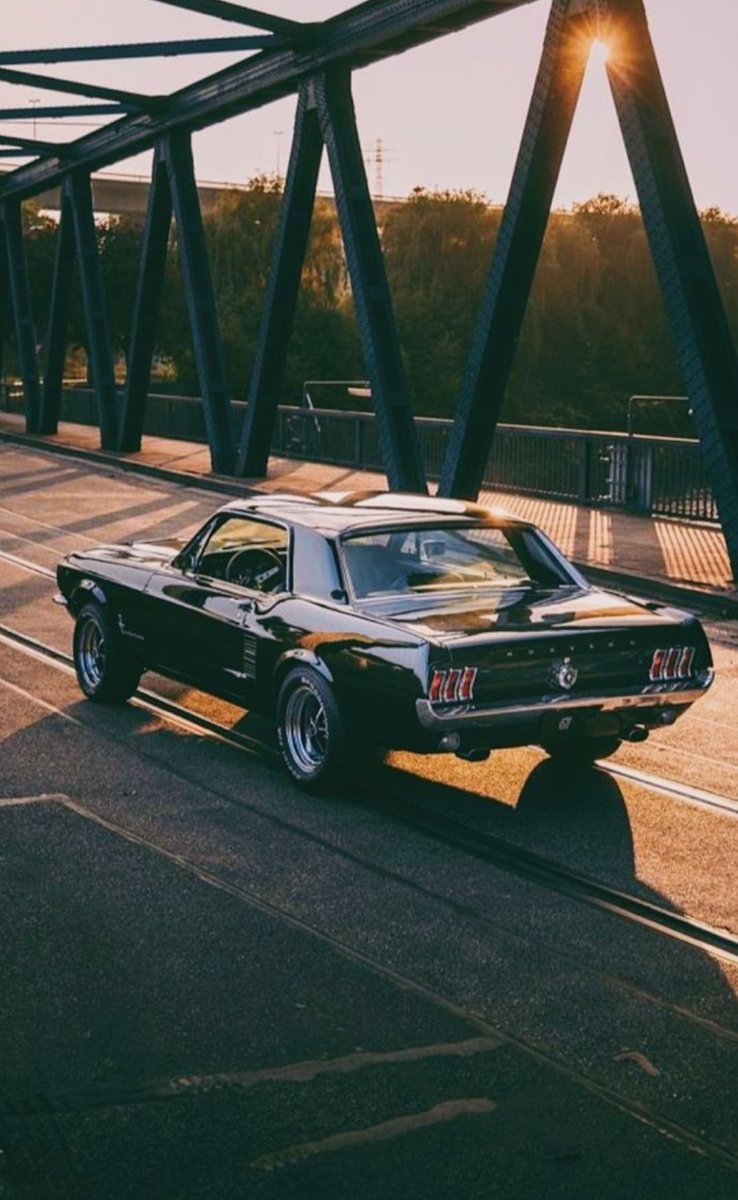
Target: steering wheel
(257, 568)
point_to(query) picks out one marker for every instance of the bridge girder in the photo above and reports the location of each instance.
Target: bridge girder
(317, 61)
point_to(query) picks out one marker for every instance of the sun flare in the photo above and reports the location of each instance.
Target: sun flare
(600, 51)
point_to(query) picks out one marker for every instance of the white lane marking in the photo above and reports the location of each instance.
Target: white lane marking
(43, 798)
(449, 1110)
(306, 1072)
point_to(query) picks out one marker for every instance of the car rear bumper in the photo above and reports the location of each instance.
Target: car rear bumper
(463, 717)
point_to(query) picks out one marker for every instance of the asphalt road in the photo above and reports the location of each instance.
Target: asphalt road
(212, 986)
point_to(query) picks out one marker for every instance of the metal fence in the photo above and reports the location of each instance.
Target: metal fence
(663, 476)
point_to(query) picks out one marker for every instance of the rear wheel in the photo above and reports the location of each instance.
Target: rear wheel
(104, 670)
(316, 744)
(581, 750)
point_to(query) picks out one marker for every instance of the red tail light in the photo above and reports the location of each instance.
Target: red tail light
(673, 662)
(456, 685)
(686, 659)
(466, 687)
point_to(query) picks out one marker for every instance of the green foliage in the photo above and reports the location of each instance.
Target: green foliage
(595, 330)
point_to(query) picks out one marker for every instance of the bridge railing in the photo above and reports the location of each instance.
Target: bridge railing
(661, 476)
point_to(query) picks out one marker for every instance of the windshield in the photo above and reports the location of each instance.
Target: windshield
(449, 558)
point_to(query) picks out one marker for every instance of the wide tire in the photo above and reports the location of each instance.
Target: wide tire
(318, 747)
(105, 671)
(581, 750)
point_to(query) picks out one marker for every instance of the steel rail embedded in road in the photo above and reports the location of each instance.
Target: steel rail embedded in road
(699, 797)
(525, 864)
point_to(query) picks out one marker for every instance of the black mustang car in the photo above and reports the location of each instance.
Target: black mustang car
(370, 619)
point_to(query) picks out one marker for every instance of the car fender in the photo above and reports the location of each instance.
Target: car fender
(85, 591)
(298, 657)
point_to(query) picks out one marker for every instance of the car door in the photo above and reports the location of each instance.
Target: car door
(209, 608)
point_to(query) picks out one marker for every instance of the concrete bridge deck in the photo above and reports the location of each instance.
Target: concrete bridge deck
(624, 548)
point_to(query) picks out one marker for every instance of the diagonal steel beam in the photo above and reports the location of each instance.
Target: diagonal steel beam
(56, 335)
(11, 233)
(355, 38)
(207, 344)
(288, 256)
(59, 54)
(60, 110)
(4, 300)
(382, 354)
(237, 12)
(78, 194)
(33, 79)
(32, 145)
(557, 87)
(704, 343)
(146, 305)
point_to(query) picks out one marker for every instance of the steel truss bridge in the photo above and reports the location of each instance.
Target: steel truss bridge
(316, 61)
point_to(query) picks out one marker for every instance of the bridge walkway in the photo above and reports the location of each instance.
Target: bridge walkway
(619, 547)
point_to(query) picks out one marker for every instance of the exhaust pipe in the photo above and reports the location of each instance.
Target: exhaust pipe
(478, 754)
(637, 734)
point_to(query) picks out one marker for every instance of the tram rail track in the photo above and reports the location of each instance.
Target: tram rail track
(699, 797)
(485, 847)
(526, 865)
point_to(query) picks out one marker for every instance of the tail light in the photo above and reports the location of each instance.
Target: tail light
(672, 662)
(453, 686)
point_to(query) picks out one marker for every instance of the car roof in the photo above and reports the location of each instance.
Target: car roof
(339, 512)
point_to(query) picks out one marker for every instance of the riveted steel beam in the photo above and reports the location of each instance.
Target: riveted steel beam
(78, 195)
(355, 38)
(30, 145)
(20, 295)
(5, 305)
(288, 256)
(57, 54)
(126, 100)
(557, 87)
(146, 306)
(703, 339)
(56, 336)
(375, 316)
(50, 111)
(177, 153)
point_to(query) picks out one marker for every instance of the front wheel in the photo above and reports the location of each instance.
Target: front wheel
(104, 672)
(581, 750)
(314, 739)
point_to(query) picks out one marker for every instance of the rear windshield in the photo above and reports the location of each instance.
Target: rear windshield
(450, 558)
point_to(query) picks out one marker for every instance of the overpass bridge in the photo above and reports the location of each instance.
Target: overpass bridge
(316, 62)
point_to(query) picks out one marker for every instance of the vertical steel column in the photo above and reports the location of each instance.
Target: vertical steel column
(200, 299)
(288, 256)
(382, 353)
(704, 344)
(4, 299)
(56, 336)
(20, 293)
(560, 75)
(77, 193)
(146, 306)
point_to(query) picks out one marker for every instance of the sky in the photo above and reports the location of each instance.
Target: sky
(449, 115)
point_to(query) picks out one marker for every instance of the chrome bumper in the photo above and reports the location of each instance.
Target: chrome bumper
(463, 717)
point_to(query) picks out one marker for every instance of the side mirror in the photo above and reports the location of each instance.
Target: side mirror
(182, 561)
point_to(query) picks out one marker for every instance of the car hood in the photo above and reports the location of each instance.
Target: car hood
(519, 611)
(143, 554)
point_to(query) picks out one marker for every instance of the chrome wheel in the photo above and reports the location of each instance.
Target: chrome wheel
(305, 728)
(106, 671)
(91, 657)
